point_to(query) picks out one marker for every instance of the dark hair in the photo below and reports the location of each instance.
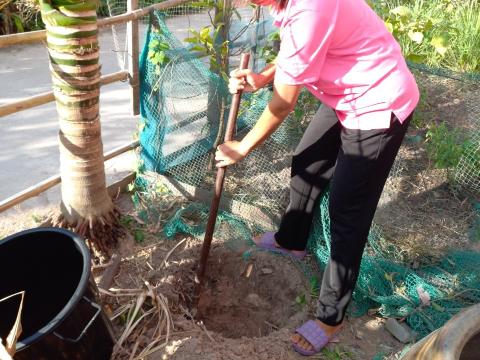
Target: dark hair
(282, 4)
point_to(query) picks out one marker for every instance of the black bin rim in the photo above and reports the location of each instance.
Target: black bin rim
(76, 296)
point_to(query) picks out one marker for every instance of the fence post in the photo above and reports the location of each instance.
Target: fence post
(133, 55)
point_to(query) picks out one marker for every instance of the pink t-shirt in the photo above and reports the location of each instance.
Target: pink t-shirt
(342, 52)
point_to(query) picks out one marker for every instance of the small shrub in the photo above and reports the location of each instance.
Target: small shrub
(440, 33)
(444, 146)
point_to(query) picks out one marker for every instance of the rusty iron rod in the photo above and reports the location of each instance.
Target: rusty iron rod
(212, 216)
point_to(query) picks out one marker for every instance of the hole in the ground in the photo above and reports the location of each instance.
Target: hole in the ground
(253, 297)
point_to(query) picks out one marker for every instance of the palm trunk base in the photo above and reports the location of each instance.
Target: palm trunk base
(100, 233)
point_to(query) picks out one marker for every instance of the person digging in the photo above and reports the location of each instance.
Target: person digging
(341, 51)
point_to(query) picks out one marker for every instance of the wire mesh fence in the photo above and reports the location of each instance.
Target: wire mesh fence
(428, 205)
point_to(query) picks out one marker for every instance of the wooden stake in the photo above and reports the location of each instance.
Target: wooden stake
(212, 216)
(132, 41)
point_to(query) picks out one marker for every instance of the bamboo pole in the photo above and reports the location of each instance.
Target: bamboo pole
(29, 192)
(56, 179)
(40, 99)
(120, 150)
(40, 35)
(132, 51)
(26, 103)
(137, 14)
(22, 38)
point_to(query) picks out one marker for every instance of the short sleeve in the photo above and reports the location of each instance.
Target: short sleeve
(306, 35)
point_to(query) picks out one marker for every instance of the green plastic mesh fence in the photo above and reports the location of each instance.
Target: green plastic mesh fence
(407, 270)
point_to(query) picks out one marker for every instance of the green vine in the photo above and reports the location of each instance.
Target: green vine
(157, 54)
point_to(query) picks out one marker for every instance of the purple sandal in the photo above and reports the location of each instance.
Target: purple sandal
(267, 242)
(315, 335)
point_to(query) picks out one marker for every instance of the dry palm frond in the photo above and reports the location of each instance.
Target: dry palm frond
(15, 332)
(4, 3)
(4, 355)
(147, 307)
(164, 262)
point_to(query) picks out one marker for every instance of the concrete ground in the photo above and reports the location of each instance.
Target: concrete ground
(29, 139)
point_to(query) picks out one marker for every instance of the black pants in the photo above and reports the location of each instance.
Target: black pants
(357, 162)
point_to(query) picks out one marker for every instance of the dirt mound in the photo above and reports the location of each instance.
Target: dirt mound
(251, 298)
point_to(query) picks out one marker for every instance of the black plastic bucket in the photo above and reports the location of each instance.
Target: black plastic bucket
(60, 318)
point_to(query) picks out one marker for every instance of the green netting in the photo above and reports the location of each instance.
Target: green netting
(396, 289)
(178, 133)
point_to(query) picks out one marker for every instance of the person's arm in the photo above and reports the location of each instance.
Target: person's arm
(283, 102)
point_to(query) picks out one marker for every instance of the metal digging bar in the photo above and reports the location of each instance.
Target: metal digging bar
(212, 216)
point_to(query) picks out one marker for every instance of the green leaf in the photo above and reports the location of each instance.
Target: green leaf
(437, 307)
(415, 36)
(164, 46)
(205, 33)
(402, 11)
(418, 59)
(195, 34)
(139, 236)
(314, 286)
(428, 25)
(224, 49)
(217, 31)
(198, 48)
(126, 220)
(154, 43)
(18, 23)
(389, 26)
(274, 36)
(159, 58)
(191, 40)
(298, 113)
(301, 300)
(440, 44)
(199, 4)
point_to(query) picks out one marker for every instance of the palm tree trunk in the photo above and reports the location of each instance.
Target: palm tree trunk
(72, 42)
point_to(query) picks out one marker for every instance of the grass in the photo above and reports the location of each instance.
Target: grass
(437, 33)
(420, 116)
(336, 353)
(333, 353)
(444, 146)
(465, 53)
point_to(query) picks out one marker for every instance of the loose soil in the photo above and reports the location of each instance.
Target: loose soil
(250, 304)
(422, 210)
(250, 298)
